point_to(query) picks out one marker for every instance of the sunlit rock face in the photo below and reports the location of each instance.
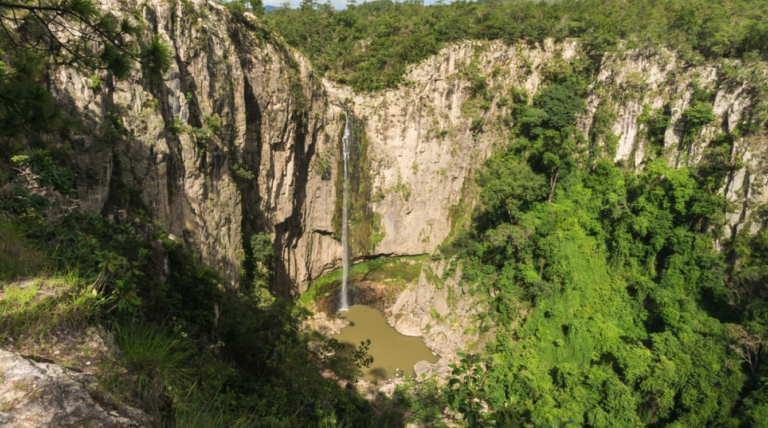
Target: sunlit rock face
(271, 166)
(48, 395)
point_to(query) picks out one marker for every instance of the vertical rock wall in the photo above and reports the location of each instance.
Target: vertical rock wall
(250, 176)
(262, 170)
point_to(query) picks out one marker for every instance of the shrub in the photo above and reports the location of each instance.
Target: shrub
(17, 257)
(156, 360)
(48, 173)
(561, 106)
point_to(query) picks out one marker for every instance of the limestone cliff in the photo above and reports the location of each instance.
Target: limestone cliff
(218, 148)
(241, 136)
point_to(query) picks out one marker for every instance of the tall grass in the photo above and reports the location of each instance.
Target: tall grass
(25, 313)
(157, 363)
(198, 414)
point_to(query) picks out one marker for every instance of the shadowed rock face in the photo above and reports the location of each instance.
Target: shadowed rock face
(279, 123)
(50, 396)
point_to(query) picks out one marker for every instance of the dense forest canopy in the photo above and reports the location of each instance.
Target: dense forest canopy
(612, 306)
(369, 46)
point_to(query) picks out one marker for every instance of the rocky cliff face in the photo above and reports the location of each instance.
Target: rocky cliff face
(218, 148)
(241, 136)
(630, 82)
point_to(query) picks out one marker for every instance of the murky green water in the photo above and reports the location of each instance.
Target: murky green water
(390, 349)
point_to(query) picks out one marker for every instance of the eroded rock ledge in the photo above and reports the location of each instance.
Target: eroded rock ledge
(38, 394)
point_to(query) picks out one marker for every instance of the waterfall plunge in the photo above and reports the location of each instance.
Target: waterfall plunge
(347, 141)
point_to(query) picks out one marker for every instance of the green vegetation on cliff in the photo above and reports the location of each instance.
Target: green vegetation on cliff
(193, 352)
(612, 305)
(369, 46)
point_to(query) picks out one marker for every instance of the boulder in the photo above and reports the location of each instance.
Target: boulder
(425, 319)
(401, 301)
(326, 325)
(423, 294)
(408, 326)
(47, 395)
(441, 306)
(422, 370)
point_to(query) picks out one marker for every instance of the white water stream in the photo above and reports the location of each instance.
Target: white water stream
(347, 142)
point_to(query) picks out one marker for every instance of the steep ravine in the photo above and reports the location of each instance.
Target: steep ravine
(278, 123)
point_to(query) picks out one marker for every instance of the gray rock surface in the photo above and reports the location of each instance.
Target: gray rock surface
(441, 306)
(277, 118)
(326, 325)
(422, 369)
(50, 396)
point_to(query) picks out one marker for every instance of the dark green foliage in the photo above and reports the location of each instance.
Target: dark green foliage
(234, 352)
(238, 7)
(190, 291)
(468, 391)
(696, 116)
(656, 123)
(612, 301)
(37, 35)
(263, 256)
(123, 196)
(78, 236)
(17, 257)
(546, 131)
(560, 105)
(477, 126)
(323, 165)
(48, 173)
(28, 28)
(158, 56)
(612, 306)
(369, 46)
(108, 256)
(261, 247)
(158, 361)
(602, 121)
(240, 173)
(17, 200)
(24, 103)
(509, 187)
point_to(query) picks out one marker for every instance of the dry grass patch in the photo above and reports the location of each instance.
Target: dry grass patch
(49, 319)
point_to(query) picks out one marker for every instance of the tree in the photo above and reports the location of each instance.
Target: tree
(555, 153)
(468, 391)
(696, 117)
(509, 186)
(263, 259)
(745, 345)
(71, 33)
(561, 106)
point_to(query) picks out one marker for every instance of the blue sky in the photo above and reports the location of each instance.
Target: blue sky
(338, 4)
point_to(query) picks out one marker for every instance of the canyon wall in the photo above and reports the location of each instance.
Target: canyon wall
(241, 136)
(218, 148)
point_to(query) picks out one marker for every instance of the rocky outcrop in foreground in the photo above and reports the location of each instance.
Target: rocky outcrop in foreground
(47, 395)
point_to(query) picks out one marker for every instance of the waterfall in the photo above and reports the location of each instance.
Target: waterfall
(347, 141)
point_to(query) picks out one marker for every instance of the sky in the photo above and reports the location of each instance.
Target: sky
(338, 4)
